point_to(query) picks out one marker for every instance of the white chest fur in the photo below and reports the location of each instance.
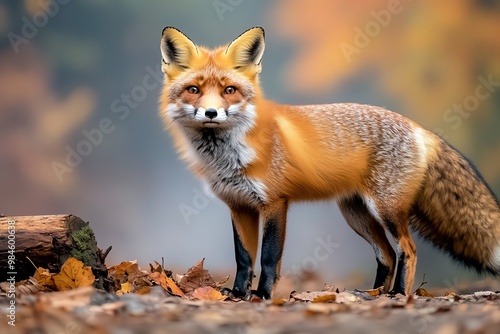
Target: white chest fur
(223, 155)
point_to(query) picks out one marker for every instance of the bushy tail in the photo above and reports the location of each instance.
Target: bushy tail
(458, 212)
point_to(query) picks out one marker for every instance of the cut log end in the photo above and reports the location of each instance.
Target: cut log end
(47, 241)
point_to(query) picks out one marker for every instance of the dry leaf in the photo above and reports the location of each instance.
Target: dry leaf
(221, 282)
(374, 292)
(143, 290)
(165, 282)
(423, 293)
(159, 268)
(120, 273)
(197, 277)
(309, 295)
(128, 272)
(208, 293)
(278, 301)
(126, 288)
(325, 298)
(155, 267)
(74, 274)
(45, 278)
(29, 287)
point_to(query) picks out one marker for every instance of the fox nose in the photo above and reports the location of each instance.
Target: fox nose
(210, 113)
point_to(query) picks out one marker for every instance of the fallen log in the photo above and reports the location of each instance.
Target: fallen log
(27, 242)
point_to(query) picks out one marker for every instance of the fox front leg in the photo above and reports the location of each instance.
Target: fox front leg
(273, 240)
(246, 238)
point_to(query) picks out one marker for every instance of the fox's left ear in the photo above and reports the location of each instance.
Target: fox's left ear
(246, 51)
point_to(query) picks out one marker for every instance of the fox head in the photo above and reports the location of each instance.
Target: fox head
(210, 88)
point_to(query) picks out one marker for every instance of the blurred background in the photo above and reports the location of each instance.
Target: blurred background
(80, 131)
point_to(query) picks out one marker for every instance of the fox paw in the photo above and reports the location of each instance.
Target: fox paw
(257, 296)
(234, 293)
(250, 295)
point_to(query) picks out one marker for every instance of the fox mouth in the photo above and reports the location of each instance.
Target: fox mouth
(211, 124)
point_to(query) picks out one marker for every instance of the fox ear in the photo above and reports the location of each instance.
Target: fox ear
(247, 49)
(176, 48)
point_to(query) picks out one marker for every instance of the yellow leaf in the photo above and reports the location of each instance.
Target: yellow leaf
(324, 299)
(423, 293)
(278, 301)
(208, 293)
(74, 274)
(44, 277)
(166, 282)
(126, 288)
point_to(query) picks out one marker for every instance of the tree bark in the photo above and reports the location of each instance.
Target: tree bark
(47, 241)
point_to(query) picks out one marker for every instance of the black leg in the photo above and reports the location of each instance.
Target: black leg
(244, 267)
(399, 282)
(272, 250)
(245, 223)
(383, 272)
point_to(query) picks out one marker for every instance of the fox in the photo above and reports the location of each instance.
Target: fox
(387, 173)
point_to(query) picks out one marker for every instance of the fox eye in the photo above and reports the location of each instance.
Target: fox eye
(193, 90)
(230, 90)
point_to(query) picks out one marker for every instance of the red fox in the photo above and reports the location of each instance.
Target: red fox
(386, 172)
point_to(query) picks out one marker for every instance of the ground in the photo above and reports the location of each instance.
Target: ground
(132, 300)
(87, 310)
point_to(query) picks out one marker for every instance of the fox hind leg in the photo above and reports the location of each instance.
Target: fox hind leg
(406, 254)
(391, 214)
(362, 222)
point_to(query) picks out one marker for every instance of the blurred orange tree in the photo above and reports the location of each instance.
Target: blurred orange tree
(439, 60)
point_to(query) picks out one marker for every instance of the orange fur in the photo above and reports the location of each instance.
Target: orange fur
(258, 156)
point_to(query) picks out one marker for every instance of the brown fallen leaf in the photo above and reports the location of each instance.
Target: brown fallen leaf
(122, 272)
(74, 274)
(375, 292)
(159, 268)
(45, 278)
(197, 277)
(29, 286)
(309, 296)
(143, 290)
(166, 283)
(207, 293)
(423, 293)
(325, 298)
(128, 272)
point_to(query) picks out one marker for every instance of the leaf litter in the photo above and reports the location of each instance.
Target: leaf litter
(156, 299)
